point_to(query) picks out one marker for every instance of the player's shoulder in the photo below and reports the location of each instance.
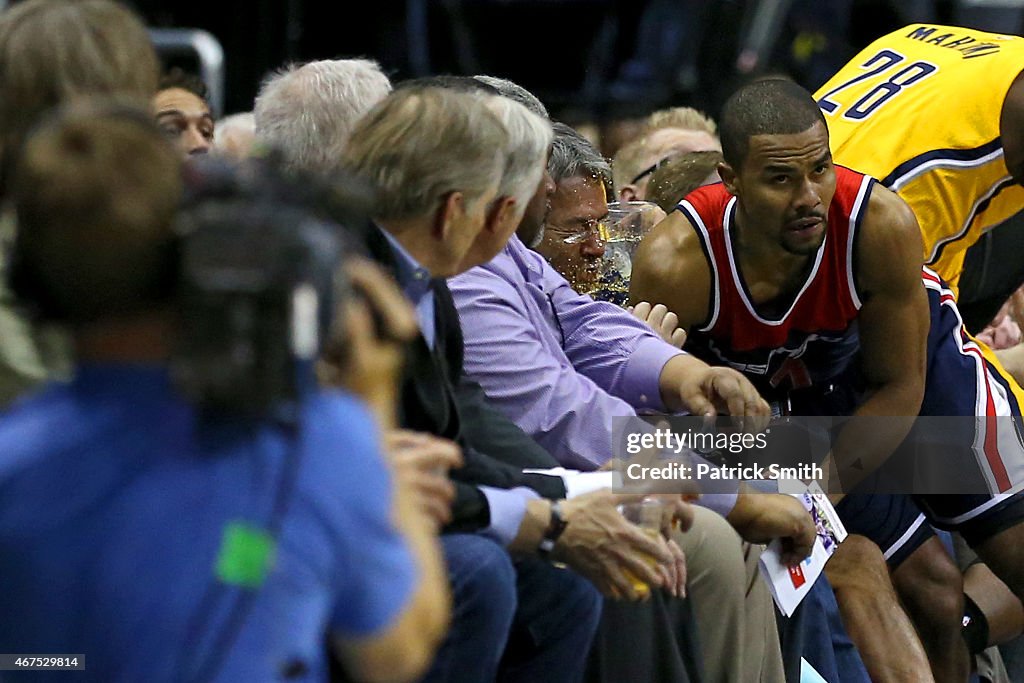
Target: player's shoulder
(672, 243)
(888, 213)
(889, 244)
(671, 267)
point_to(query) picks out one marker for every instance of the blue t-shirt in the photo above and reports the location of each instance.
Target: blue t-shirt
(130, 530)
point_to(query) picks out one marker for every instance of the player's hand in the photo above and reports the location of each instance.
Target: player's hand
(762, 517)
(662, 321)
(716, 390)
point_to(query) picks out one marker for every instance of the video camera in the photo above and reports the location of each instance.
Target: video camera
(252, 269)
(259, 283)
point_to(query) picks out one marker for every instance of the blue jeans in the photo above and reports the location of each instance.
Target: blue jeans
(816, 633)
(522, 621)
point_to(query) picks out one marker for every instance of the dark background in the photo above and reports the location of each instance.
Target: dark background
(587, 59)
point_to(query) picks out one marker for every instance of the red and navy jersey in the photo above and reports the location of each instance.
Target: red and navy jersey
(815, 339)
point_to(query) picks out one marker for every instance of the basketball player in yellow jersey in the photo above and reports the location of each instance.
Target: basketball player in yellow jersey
(936, 113)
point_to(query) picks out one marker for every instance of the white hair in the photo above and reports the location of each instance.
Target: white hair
(234, 135)
(514, 91)
(307, 112)
(529, 139)
(420, 144)
(243, 122)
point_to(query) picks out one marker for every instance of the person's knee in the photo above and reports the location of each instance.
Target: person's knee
(931, 587)
(558, 613)
(714, 556)
(857, 566)
(572, 602)
(482, 576)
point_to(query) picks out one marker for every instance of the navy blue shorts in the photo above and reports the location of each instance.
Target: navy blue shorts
(893, 522)
(964, 381)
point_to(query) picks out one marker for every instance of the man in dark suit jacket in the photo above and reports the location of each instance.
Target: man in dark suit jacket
(460, 141)
(444, 160)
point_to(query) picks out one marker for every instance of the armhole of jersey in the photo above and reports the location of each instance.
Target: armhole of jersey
(705, 244)
(979, 207)
(860, 205)
(942, 158)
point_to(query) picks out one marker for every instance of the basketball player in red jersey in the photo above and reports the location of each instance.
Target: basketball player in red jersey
(807, 278)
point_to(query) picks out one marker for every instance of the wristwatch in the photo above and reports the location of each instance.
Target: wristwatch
(555, 528)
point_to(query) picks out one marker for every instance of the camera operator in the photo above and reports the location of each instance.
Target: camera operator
(164, 541)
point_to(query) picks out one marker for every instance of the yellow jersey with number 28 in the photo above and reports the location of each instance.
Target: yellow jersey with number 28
(919, 110)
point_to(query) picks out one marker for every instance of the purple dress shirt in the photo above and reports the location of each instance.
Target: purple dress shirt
(555, 362)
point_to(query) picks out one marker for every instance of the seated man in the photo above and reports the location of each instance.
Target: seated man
(129, 513)
(668, 133)
(426, 231)
(561, 365)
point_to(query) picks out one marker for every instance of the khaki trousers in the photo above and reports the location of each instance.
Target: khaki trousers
(735, 615)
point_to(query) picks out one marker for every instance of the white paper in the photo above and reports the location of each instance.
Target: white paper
(789, 585)
(578, 483)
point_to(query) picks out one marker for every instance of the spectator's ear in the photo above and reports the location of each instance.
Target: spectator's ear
(628, 193)
(501, 213)
(451, 209)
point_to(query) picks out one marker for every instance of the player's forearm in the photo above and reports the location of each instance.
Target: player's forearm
(877, 429)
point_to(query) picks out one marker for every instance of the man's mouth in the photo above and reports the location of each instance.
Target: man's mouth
(804, 226)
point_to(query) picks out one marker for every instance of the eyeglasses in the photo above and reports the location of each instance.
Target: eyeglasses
(598, 230)
(651, 169)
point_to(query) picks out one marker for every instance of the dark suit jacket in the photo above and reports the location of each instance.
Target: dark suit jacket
(437, 399)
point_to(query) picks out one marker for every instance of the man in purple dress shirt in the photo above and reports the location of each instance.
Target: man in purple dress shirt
(563, 366)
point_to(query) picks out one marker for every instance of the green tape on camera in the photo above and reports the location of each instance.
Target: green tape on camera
(246, 555)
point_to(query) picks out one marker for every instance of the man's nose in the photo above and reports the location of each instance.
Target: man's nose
(194, 142)
(808, 196)
(592, 247)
